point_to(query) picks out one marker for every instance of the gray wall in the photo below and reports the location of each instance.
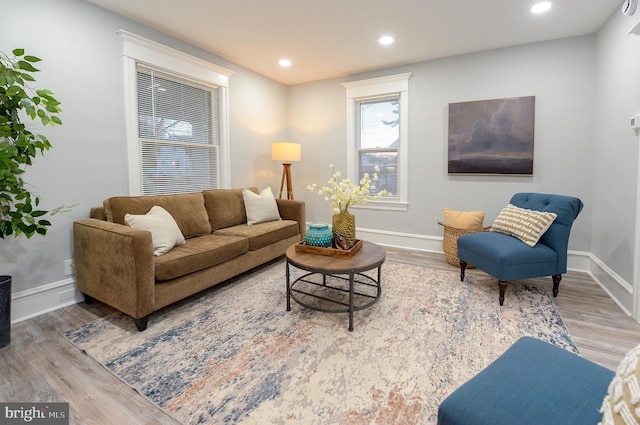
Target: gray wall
(82, 64)
(616, 145)
(561, 74)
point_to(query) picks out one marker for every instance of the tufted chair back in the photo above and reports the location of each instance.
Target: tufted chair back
(557, 236)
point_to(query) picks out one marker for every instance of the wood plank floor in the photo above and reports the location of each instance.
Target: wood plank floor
(41, 366)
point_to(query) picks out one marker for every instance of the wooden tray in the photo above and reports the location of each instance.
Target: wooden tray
(331, 252)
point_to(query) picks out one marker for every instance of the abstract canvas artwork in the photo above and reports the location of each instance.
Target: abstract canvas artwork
(492, 136)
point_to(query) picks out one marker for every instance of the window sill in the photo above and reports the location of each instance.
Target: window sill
(383, 205)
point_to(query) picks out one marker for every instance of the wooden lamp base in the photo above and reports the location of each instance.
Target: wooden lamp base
(286, 175)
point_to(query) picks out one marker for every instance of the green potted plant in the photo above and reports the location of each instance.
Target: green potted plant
(19, 212)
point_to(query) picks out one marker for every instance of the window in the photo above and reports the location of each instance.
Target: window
(378, 141)
(178, 133)
(377, 136)
(176, 120)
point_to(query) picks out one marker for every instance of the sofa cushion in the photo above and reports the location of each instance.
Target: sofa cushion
(506, 257)
(187, 209)
(165, 233)
(262, 234)
(198, 254)
(260, 208)
(225, 207)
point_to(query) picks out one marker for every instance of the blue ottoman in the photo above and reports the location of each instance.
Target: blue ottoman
(532, 383)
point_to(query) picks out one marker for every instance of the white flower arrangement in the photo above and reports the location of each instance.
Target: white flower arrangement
(344, 194)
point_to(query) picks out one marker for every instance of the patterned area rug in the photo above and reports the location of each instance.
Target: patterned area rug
(233, 354)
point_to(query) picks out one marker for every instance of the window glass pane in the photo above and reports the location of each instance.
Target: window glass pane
(380, 124)
(387, 161)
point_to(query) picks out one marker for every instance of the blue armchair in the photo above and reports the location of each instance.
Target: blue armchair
(508, 258)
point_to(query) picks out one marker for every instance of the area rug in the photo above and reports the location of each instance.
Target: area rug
(233, 354)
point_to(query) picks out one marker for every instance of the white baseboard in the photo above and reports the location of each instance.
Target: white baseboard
(43, 299)
(402, 240)
(613, 284)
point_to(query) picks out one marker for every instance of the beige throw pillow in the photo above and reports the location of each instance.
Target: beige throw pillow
(469, 220)
(165, 232)
(621, 406)
(260, 208)
(526, 225)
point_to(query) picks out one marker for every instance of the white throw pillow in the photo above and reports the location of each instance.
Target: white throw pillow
(526, 225)
(260, 208)
(165, 232)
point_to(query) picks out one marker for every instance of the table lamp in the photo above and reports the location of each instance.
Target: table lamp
(286, 152)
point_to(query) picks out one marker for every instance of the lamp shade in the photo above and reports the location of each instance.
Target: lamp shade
(285, 151)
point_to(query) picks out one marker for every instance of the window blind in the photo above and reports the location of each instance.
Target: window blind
(178, 133)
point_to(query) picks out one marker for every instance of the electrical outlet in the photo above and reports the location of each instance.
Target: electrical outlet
(69, 267)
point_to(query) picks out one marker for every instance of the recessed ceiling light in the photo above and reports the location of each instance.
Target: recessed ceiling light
(285, 63)
(386, 40)
(541, 7)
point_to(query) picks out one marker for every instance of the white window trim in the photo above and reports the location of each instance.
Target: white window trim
(137, 49)
(371, 88)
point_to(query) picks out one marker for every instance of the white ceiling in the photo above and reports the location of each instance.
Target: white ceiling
(332, 38)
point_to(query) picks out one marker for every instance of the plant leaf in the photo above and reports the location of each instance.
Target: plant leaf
(27, 77)
(26, 66)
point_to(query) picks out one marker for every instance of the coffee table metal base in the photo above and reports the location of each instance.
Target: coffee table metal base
(355, 287)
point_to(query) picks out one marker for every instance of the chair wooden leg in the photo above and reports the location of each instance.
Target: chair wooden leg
(463, 266)
(503, 287)
(556, 284)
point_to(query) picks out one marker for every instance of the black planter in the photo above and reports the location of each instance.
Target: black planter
(5, 310)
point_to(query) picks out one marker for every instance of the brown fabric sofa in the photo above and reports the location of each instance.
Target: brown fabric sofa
(115, 263)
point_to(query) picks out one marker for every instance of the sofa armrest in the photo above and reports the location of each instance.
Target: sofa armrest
(293, 210)
(115, 264)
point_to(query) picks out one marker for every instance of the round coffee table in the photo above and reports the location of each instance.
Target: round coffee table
(335, 284)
